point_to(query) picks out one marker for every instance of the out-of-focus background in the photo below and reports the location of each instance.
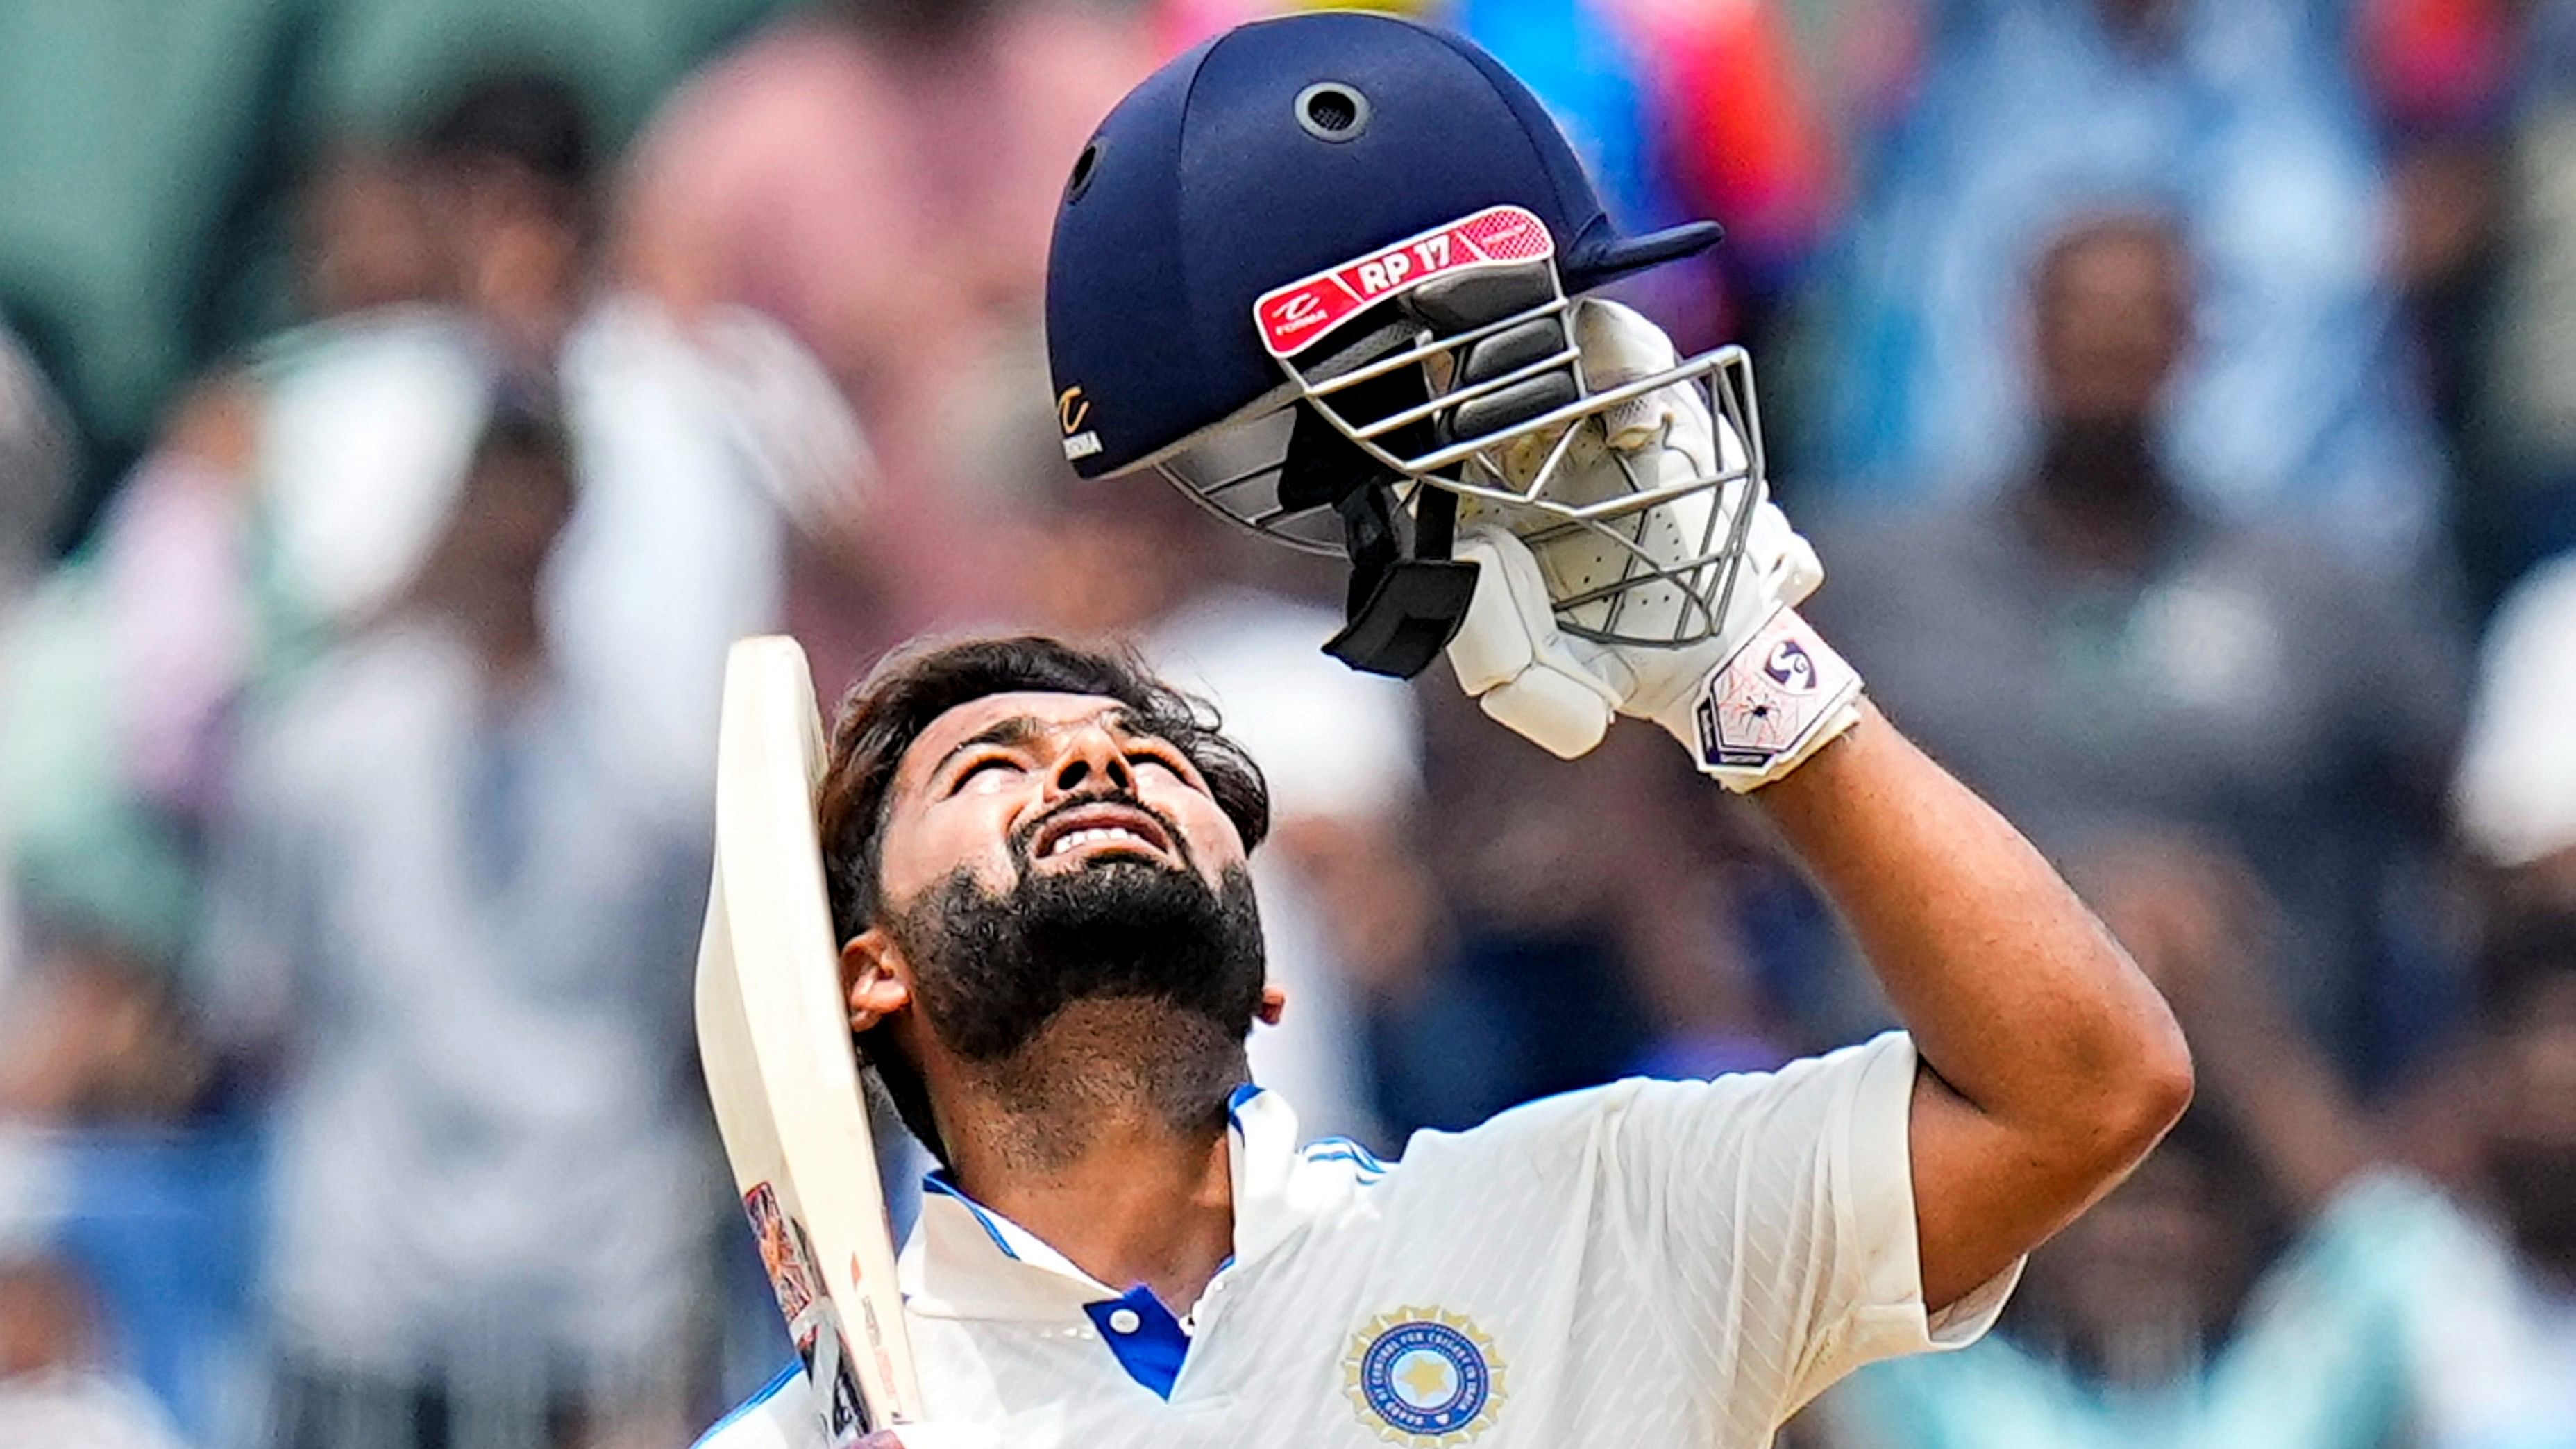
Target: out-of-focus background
(402, 403)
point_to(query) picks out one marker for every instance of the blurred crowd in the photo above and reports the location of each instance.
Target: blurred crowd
(404, 402)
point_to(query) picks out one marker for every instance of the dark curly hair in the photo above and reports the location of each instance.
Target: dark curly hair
(881, 717)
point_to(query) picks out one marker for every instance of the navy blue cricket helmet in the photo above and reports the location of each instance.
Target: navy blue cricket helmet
(1316, 272)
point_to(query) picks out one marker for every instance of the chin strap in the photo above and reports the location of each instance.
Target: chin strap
(1404, 605)
(1407, 596)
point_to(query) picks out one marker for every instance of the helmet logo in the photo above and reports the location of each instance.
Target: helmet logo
(1291, 318)
(1072, 410)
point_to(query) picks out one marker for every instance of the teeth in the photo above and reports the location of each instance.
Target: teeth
(1089, 834)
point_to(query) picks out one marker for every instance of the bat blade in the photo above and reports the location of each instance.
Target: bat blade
(774, 1039)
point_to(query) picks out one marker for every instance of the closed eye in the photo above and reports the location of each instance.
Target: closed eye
(982, 766)
(1169, 761)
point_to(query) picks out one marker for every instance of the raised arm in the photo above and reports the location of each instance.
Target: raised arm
(2053, 1064)
(2050, 1064)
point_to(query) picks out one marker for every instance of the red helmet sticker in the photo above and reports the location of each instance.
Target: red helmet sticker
(1292, 318)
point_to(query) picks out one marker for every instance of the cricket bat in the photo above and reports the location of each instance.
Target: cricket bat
(773, 1035)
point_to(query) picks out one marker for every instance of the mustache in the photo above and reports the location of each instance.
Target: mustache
(1024, 840)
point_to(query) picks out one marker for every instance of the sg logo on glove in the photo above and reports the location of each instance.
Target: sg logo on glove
(1791, 667)
(1773, 699)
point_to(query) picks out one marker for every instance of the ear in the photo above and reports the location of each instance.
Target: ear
(876, 982)
(1274, 1005)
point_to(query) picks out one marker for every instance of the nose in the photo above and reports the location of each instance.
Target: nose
(1091, 762)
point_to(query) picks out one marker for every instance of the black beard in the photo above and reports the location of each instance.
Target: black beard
(991, 970)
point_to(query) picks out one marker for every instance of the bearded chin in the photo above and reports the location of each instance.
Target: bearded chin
(992, 970)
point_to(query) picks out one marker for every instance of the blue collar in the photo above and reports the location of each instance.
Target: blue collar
(965, 1260)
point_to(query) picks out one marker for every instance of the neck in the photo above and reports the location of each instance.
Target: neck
(1105, 1136)
(2098, 499)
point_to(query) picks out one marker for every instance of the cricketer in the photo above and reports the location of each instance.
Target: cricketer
(1327, 274)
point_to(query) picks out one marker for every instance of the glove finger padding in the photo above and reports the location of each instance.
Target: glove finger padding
(1778, 560)
(1510, 655)
(1586, 622)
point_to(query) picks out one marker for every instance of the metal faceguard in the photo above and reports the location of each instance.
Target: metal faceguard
(1439, 380)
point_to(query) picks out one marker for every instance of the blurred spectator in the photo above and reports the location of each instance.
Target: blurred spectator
(2499, 1316)
(881, 176)
(454, 929)
(2096, 649)
(356, 428)
(506, 169)
(1344, 906)
(2517, 786)
(149, 151)
(55, 1387)
(289, 500)
(701, 447)
(2478, 99)
(2241, 117)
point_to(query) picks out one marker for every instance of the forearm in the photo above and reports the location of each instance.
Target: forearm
(2015, 994)
(2057, 1063)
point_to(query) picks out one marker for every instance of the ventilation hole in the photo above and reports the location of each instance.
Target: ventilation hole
(1332, 111)
(1083, 167)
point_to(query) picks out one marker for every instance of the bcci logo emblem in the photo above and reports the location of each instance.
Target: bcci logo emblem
(1424, 1378)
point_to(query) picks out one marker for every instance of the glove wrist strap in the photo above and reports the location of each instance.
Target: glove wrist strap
(1773, 702)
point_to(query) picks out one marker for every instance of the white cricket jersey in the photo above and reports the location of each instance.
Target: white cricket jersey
(1649, 1265)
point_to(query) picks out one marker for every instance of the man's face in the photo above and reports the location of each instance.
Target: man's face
(2112, 313)
(1039, 850)
(1018, 785)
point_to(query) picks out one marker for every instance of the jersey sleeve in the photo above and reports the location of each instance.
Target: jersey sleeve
(1768, 1222)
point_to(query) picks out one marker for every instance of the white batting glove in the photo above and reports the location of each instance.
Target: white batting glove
(1752, 702)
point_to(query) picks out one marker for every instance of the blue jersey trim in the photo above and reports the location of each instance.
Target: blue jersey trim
(1369, 1174)
(738, 1412)
(1151, 1354)
(1235, 1099)
(937, 1181)
(1343, 1149)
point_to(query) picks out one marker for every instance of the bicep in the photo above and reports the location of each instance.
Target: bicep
(1982, 1198)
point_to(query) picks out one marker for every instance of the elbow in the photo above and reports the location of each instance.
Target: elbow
(2156, 1087)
